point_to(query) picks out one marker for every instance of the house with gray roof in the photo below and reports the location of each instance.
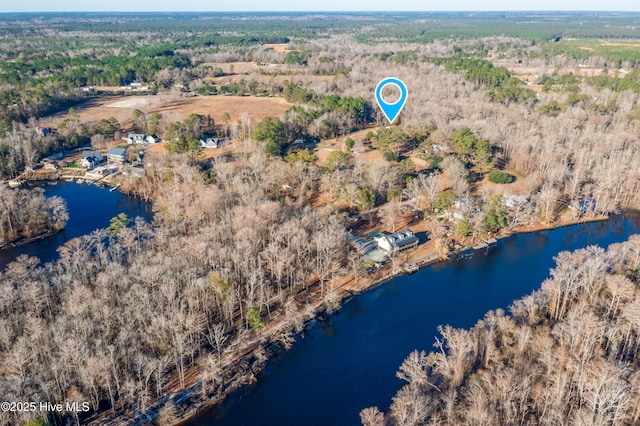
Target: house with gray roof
(117, 156)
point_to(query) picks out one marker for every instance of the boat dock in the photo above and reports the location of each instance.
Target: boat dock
(485, 243)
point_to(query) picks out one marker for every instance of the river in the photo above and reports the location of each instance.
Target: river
(349, 361)
(90, 207)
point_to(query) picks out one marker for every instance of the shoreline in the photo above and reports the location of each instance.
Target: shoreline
(245, 363)
(22, 241)
(348, 291)
(56, 176)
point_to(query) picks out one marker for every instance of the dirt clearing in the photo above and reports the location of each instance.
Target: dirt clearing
(277, 47)
(235, 106)
(122, 107)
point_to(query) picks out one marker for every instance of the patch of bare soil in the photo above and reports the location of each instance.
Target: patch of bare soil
(256, 107)
(277, 47)
(122, 108)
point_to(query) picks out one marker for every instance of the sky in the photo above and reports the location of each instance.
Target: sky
(313, 5)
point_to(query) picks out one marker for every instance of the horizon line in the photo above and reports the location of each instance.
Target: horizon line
(333, 11)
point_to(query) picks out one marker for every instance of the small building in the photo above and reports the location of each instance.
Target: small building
(100, 172)
(51, 165)
(152, 139)
(91, 159)
(117, 156)
(133, 171)
(512, 201)
(398, 242)
(135, 138)
(43, 131)
(587, 206)
(210, 143)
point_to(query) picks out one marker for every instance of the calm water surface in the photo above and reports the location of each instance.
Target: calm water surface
(90, 207)
(348, 362)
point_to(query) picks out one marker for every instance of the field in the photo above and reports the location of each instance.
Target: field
(277, 47)
(234, 67)
(534, 74)
(216, 106)
(614, 51)
(179, 108)
(262, 74)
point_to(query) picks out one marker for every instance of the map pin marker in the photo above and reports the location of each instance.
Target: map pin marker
(391, 110)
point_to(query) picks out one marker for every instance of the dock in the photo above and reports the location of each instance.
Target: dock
(411, 268)
(485, 243)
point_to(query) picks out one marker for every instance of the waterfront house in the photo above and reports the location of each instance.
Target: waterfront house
(398, 242)
(100, 172)
(117, 156)
(90, 159)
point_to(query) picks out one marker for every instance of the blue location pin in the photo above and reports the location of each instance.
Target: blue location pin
(391, 110)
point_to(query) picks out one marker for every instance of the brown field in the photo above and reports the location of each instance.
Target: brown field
(216, 106)
(122, 107)
(206, 153)
(238, 67)
(277, 47)
(534, 74)
(270, 78)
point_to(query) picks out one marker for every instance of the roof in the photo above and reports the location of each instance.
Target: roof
(117, 151)
(90, 153)
(401, 239)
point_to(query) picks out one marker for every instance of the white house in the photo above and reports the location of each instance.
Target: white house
(91, 159)
(135, 138)
(152, 139)
(398, 242)
(210, 143)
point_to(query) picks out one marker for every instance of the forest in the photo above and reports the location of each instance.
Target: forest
(505, 127)
(27, 213)
(125, 307)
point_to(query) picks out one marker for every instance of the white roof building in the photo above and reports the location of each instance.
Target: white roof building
(398, 242)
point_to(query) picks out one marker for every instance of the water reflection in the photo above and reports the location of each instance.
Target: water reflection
(349, 362)
(90, 207)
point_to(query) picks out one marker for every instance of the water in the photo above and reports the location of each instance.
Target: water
(90, 207)
(349, 362)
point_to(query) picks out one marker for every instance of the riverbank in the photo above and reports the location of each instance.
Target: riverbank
(22, 241)
(66, 174)
(245, 364)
